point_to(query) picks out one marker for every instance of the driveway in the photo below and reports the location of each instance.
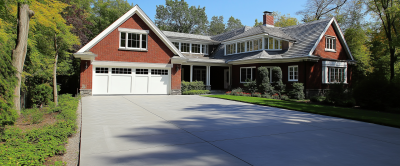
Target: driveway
(194, 130)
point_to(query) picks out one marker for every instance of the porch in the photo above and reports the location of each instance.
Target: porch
(214, 77)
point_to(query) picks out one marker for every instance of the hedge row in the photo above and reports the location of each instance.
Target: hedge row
(196, 92)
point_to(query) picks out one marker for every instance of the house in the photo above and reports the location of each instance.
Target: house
(133, 56)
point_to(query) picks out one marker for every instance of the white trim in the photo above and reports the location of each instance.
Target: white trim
(336, 64)
(240, 73)
(337, 30)
(330, 50)
(293, 73)
(122, 19)
(130, 64)
(133, 30)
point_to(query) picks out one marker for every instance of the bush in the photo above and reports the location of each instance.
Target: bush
(256, 94)
(266, 95)
(263, 81)
(318, 99)
(339, 95)
(42, 94)
(278, 85)
(195, 85)
(196, 92)
(275, 96)
(33, 115)
(284, 97)
(237, 91)
(250, 86)
(297, 92)
(32, 147)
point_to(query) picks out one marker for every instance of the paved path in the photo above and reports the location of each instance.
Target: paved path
(194, 130)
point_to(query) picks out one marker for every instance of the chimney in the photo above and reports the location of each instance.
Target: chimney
(268, 19)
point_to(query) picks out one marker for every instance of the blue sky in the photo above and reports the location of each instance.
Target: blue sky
(245, 10)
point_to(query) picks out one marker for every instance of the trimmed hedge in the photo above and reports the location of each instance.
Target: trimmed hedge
(32, 147)
(195, 85)
(196, 92)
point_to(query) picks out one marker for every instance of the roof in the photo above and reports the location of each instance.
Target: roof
(135, 10)
(177, 35)
(261, 29)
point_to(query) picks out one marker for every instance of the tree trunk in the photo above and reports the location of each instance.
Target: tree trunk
(19, 53)
(55, 72)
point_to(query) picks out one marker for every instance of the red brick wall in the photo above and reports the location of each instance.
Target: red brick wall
(86, 75)
(176, 77)
(268, 19)
(340, 54)
(107, 50)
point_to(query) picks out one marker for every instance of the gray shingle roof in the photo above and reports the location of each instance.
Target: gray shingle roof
(261, 29)
(230, 34)
(178, 35)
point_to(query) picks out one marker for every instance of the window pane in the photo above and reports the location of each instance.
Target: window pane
(242, 47)
(280, 44)
(249, 46)
(233, 47)
(228, 49)
(205, 51)
(144, 41)
(271, 43)
(242, 74)
(123, 39)
(255, 44)
(195, 48)
(276, 44)
(185, 47)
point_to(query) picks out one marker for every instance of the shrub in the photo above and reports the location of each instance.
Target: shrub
(228, 93)
(284, 97)
(298, 91)
(266, 95)
(42, 94)
(250, 86)
(339, 95)
(279, 87)
(195, 85)
(275, 96)
(196, 92)
(263, 81)
(256, 94)
(33, 115)
(318, 99)
(237, 91)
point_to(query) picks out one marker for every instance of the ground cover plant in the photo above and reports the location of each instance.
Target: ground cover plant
(383, 118)
(32, 146)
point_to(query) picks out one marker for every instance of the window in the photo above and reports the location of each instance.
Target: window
(280, 44)
(271, 43)
(247, 73)
(256, 45)
(250, 46)
(228, 49)
(205, 49)
(336, 74)
(133, 40)
(159, 72)
(142, 71)
(185, 47)
(330, 43)
(195, 48)
(241, 48)
(231, 49)
(293, 73)
(199, 75)
(176, 44)
(121, 71)
(101, 70)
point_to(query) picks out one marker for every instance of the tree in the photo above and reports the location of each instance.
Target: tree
(19, 53)
(389, 15)
(233, 24)
(317, 9)
(257, 23)
(177, 16)
(284, 20)
(279, 87)
(104, 13)
(217, 26)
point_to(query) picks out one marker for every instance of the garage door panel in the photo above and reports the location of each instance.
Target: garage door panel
(100, 84)
(121, 84)
(141, 83)
(158, 84)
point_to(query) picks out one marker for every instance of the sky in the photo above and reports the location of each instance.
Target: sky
(245, 10)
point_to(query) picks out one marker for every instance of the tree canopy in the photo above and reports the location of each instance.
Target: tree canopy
(233, 24)
(284, 20)
(217, 25)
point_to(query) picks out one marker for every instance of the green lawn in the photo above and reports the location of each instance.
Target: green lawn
(376, 117)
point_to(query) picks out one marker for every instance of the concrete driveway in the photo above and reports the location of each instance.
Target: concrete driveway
(194, 130)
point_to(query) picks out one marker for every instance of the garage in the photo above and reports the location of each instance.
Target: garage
(124, 80)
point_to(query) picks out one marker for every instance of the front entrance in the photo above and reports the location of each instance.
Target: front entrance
(226, 79)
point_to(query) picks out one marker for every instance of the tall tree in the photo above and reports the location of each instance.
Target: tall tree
(388, 12)
(257, 23)
(19, 53)
(284, 20)
(233, 24)
(177, 16)
(217, 25)
(104, 13)
(317, 9)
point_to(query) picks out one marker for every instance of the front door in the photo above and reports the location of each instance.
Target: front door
(226, 78)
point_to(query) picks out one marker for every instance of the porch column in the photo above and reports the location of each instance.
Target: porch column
(208, 73)
(191, 73)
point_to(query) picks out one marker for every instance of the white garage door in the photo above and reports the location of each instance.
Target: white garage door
(130, 81)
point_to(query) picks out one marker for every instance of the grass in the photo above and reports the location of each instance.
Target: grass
(376, 117)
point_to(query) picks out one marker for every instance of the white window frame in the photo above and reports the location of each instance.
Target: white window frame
(180, 47)
(251, 72)
(332, 64)
(330, 69)
(297, 75)
(330, 43)
(134, 31)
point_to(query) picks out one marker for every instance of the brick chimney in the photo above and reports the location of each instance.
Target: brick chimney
(268, 19)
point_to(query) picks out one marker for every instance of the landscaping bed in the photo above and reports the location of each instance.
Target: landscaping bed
(39, 136)
(376, 117)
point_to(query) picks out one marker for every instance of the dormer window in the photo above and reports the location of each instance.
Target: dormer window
(193, 48)
(273, 44)
(133, 39)
(330, 43)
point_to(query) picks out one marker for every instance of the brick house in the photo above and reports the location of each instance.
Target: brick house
(133, 56)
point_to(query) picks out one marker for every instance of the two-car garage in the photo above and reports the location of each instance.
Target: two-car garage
(130, 80)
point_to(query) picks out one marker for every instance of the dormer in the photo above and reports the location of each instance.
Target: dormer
(256, 43)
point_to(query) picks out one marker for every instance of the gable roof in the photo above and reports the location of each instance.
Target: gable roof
(135, 10)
